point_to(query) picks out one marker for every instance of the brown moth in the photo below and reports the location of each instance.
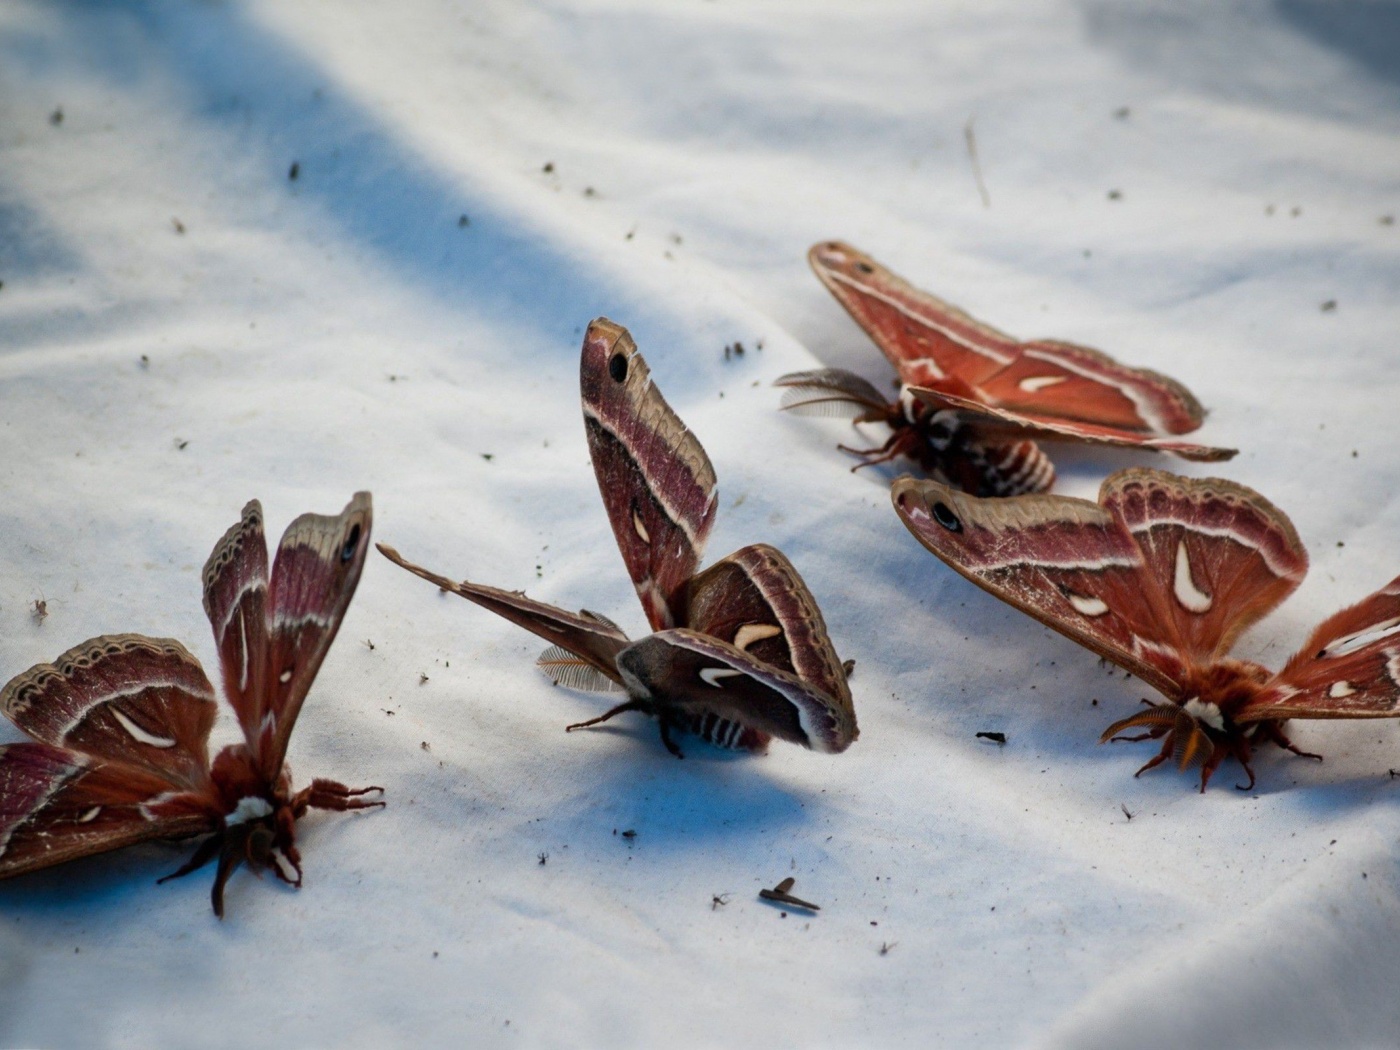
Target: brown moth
(973, 398)
(1160, 576)
(121, 723)
(740, 652)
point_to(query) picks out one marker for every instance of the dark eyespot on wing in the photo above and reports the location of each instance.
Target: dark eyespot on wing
(617, 367)
(352, 541)
(943, 514)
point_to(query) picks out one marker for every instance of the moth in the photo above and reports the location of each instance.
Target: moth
(740, 652)
(120, 723)
(1160, 576)
(973, 399)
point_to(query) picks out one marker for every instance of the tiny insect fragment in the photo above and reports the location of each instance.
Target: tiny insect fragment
(1126, 812)
(719, 900)
(294, 172)
(544, 859)
(40, 612)
(887, 946)
(994, 737)
(780, 895)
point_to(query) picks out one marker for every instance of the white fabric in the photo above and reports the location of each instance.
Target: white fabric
(310, 337)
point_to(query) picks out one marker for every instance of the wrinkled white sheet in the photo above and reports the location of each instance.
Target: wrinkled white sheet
(668, 164)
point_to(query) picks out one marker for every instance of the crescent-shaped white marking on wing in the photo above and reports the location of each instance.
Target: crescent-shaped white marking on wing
(1032, 384)
(1087, 605)
(1340, 689)
(140, 735)
(754, 632)
(711, 675)
(1191, 597)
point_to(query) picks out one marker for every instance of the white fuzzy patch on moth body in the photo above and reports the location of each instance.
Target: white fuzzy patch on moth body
(640, 528)
(712, 675)
(754, 632)
(1033, 384)
(1206, 712)
(1340, 689)
(1361, 639)
(1086, 605)
(90, 815)
(285, 867)
(1191, 597)
(250, 807)
(140, 735)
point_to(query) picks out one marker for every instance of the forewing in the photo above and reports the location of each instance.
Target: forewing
(144, 702)
(57, 805)
(1028, 423)
(756, 601)
(656, 481)
(314, 576)
(692, 675)
(1065, 381)
(1067, 562)
(1223, 555)
(235, 599)
(1348, 668)
(925, 338)
(587, 635)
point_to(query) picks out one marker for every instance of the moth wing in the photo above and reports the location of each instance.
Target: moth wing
(57, 804)
(235, 600)
(1067, 381)
(657, 483)
(993, 419)
(125, 698)
(1348, 668)
(314, 576)
(590, 637)
(925, 338)
(1067, 562)
(1221, 554)
(692, 675)
(756, 601)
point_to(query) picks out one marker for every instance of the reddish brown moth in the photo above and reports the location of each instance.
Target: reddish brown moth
(1160, 576)
(121, 723)
(740, 652)
(973, 399)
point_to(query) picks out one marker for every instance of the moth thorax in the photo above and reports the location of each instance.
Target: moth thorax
(1206, 713)
(249, 807)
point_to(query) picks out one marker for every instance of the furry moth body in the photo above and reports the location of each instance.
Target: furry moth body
(974, 400)
(739, 653)
(1160, 576)
(120, 724)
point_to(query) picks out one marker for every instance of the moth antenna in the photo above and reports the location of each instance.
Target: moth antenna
(573, 672)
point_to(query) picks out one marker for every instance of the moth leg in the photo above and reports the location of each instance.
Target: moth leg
(1217, 756)
(1274, 731)
(666, 737)
(629, 705)
(331, 794)
(1167, 750)
(203, 854)
(233, 852)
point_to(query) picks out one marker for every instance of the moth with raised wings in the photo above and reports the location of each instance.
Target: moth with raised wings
(740, 652)
(974, 399)
(121, 723)
(1160, 576)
